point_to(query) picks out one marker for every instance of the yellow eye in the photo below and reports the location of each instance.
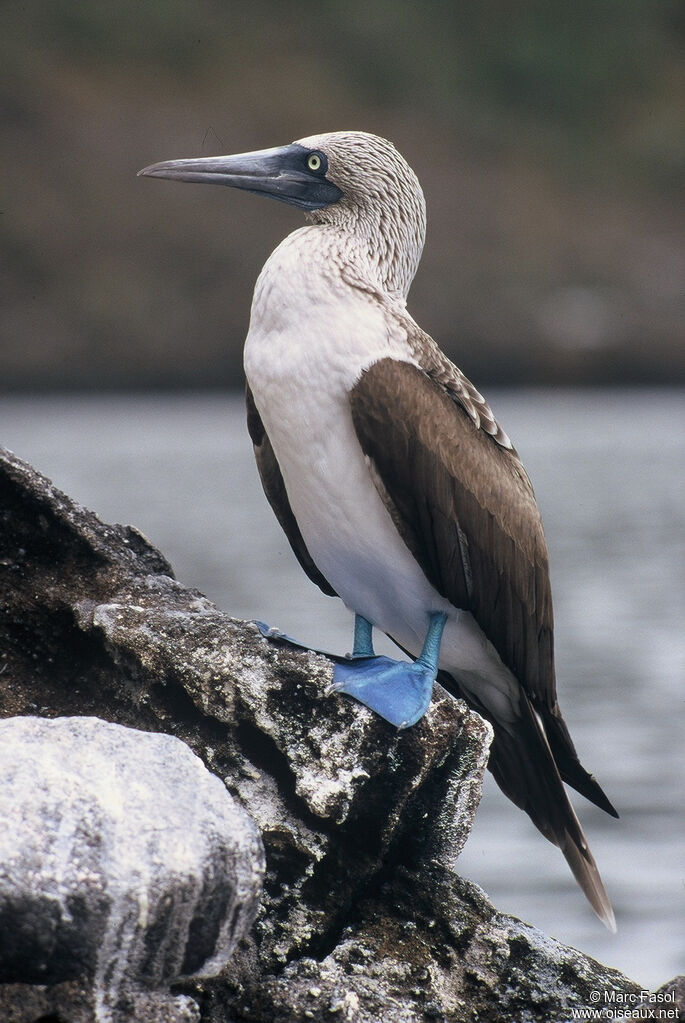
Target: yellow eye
(314, 162)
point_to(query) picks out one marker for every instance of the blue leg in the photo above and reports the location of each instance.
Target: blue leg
(398, 691)
(363, 638)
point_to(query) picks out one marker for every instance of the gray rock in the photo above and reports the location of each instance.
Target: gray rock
(428, 946)
(123, 862)
(363, 915)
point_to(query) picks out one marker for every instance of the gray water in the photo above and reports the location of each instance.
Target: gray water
(608, 472)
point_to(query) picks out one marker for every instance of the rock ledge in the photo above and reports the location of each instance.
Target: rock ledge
(363, 916)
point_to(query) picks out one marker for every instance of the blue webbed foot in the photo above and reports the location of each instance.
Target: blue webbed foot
(400, 692)
(397, 690)
(274, 634)
(271, 632)
(363, 645)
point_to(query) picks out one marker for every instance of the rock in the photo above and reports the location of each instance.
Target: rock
(428, 946)
(672, 996)
(123, 862)
(363, 915)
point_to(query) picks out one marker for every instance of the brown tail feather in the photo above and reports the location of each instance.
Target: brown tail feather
(584, 869)
(524, 768)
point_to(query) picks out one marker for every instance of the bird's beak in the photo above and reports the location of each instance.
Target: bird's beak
(280, 173)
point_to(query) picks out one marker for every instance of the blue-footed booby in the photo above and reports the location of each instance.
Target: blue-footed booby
(395, 485)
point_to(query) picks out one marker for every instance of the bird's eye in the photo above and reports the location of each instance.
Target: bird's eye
(314, 162)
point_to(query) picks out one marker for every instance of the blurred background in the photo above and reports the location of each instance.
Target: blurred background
(550, 141)
(549, 138)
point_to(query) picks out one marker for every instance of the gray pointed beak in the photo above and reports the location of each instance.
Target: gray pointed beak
(280, 173)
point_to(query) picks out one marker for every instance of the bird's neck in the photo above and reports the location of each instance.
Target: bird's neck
(380, 244)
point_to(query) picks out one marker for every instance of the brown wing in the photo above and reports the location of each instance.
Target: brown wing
(465, 507)
(274, 488)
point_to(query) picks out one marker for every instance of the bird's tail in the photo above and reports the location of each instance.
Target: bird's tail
(525, 769)
(566, 759)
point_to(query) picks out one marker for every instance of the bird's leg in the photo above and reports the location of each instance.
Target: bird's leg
(399, 691)
(363, 638)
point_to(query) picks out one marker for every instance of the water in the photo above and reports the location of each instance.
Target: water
(608, 473)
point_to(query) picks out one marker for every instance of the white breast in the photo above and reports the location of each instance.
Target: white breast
(311, 335)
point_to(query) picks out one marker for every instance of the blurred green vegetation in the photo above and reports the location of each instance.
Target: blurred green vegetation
(549, 137)
(586, 70)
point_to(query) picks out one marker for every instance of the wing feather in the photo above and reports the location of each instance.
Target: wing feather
(466, 509)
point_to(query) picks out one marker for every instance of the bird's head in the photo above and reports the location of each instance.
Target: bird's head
(351, 179)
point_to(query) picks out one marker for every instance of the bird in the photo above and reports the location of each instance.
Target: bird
(395, 485)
